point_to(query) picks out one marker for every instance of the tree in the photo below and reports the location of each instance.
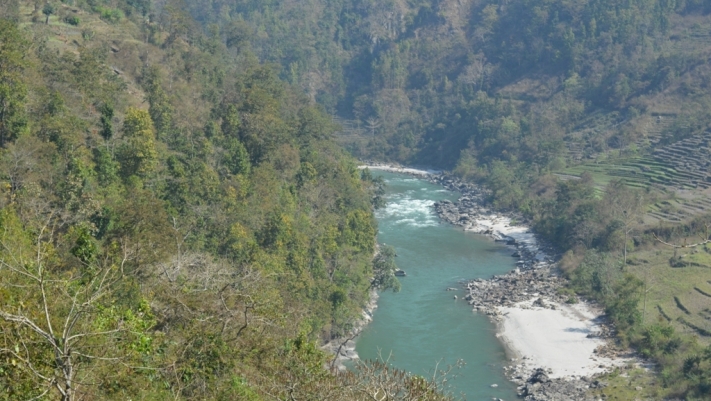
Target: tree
(107, 115)
(375, 186)
(62, 319)
(13, 92)
(160, 109)
(230, 122)
(696, 368)
(260, 126)
(177, 21)
(372, 124)
(142, 6)
(359, 230)
(625, 206)
(315, 124)
(597, 275)
(384, 268)
(238, 34)
(48, 10)
(138, 155)
(25, 162)
(623, 307)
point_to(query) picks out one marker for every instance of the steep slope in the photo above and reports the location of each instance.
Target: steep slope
(590, 117)
(414, 72)
(176, 222)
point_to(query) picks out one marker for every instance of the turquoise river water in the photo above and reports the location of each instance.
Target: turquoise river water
(423, 325)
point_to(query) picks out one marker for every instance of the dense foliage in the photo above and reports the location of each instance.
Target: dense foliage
(506, 94)
(172, 187)
(494, 80)
(175, 221)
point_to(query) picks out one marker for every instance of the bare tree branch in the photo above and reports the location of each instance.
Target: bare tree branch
(704, 240)
(340, 347)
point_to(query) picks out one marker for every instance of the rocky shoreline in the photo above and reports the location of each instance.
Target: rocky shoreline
(534, 278)
(541, 285)
(343, 348)
(508, 227)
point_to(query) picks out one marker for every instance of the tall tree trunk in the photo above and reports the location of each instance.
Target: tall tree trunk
(624, 264)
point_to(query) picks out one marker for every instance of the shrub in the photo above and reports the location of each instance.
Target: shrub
(110, 15)
(72, 20)
(88, 34)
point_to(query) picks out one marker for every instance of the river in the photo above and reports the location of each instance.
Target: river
(422, 325)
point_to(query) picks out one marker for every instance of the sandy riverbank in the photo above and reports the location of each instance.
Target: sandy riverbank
(562, 340)
(399, 169)
(560, 337)
(558, 348)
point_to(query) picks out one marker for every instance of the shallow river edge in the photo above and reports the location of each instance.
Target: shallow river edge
(533, 284)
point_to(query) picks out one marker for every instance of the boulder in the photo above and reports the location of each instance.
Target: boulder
(539, 376)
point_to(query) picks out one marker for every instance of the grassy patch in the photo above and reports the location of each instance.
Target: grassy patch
(668, 286)
(629, 383)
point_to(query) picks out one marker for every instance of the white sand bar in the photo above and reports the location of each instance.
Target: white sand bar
(397, 169)
(555, 339)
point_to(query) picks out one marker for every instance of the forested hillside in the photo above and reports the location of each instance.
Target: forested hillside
(589, 117)
(175, 221)
(179, 222)
(423, 81)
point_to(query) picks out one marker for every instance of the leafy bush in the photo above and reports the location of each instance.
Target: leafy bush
(110, 15)
(72, 20)
(88, 34)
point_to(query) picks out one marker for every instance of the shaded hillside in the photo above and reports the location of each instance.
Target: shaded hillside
(413, 75)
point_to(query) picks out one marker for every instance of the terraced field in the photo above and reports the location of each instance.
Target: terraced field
(595, 125)
(641, 172)
(654, 126)
(681, 171)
